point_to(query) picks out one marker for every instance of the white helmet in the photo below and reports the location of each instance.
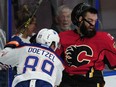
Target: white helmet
(47, 36)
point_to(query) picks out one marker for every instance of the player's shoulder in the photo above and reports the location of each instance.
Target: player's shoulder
(101, 32)
(104, 35)
(66, 32)
(15, 42)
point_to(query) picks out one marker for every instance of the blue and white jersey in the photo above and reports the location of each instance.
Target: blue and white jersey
(34, 61)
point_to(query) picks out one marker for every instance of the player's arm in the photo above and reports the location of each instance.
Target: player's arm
(110, 52)
(59, 73)
(3, 66)
(9, 57)
(58, 78)
(3, 52)
(15, 42)
(115, 48)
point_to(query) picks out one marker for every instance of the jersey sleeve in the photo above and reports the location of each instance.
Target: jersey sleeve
(58, 78)
(60, 49)
(60, 69)
(110, 52)
(9, 56)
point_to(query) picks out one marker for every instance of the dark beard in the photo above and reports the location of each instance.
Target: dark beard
(86, 32)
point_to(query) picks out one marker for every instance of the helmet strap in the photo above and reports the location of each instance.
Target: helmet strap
(87, 21)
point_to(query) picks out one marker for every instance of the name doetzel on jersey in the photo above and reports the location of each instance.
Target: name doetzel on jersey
(42, 52)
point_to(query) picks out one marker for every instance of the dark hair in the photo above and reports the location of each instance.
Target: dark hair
(80, 10)
(24, 17)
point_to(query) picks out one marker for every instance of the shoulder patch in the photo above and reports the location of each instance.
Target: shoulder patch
(110, 36)
(114, 45)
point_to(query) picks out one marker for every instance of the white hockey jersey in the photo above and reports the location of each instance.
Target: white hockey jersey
(34, 61)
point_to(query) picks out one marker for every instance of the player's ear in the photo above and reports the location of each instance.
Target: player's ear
(53, 45)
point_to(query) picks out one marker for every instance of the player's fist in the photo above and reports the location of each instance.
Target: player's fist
(3, 66)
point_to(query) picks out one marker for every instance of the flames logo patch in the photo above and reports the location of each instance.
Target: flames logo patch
(78, 55)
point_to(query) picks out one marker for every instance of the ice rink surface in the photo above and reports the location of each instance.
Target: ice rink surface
(110, 78)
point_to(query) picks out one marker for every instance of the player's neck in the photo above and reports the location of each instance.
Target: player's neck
(79, 32)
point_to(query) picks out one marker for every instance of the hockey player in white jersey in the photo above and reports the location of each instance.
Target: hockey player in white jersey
(37, 64)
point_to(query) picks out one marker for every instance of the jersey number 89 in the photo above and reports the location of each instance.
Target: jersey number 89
(44, 65)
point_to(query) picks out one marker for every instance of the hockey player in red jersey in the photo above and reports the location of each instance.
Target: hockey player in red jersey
(85, 50)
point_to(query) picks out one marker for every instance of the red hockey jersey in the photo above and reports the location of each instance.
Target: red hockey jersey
(81, 54)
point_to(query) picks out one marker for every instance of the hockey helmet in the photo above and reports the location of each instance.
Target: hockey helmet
(47, 36)
(79, 10)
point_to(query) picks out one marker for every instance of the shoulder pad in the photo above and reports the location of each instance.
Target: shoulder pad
(15, 42)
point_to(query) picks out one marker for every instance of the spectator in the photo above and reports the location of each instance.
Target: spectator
(85, 50)
(37, 64)
(25, 26)
(25, 23)
(63, 19)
